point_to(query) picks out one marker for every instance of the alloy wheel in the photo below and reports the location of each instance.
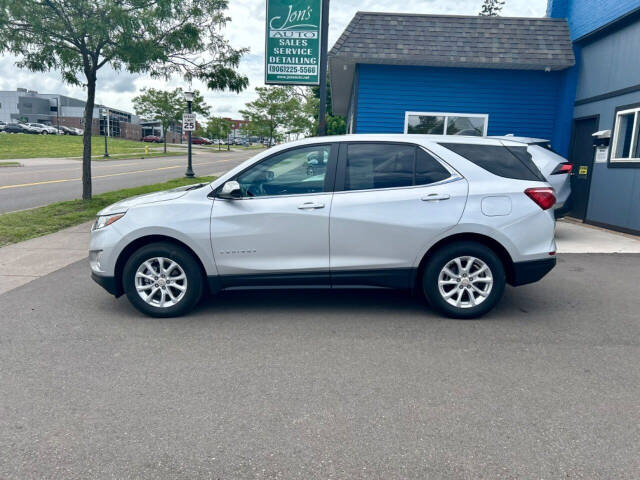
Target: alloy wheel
(465, 282)
(161, 282)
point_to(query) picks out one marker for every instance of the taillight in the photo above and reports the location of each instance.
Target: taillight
(565, 167)
(543, 196)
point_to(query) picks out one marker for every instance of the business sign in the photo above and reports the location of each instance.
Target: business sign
(293, 42)
(188, 122)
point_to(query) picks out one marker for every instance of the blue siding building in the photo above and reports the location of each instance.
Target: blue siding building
(563, 78)
(516, 101)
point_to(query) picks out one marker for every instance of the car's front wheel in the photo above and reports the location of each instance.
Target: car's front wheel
(464, 280)
(163, 280)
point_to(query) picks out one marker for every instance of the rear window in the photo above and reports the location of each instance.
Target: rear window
(508, 162)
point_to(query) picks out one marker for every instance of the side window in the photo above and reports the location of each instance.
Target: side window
(376, 165)
(428, 169)
(511, 162)
(297, 171)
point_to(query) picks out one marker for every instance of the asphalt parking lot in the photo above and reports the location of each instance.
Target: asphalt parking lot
(325, 384)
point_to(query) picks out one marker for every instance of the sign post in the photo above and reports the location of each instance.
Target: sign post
(324, 34)
(189, 125)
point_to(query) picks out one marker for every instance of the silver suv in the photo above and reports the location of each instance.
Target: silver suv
(452, 218)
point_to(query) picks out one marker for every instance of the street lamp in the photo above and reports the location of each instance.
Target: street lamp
(188, 96)
(105, 114)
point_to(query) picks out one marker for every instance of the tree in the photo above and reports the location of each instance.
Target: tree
(219, 128)
(335, 125)
(276, 109)
(167, 107)
(491, 8)
(156, 37)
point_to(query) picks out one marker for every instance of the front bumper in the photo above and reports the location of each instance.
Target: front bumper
(531, 271)
(108, 283)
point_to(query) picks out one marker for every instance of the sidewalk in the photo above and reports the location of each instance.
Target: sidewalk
(23, 262)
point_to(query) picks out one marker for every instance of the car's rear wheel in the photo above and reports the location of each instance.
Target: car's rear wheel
(163, 280)
(464, 280)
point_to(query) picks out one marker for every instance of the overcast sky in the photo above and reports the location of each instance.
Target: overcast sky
(246, 29)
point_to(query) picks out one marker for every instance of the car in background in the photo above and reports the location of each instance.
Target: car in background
(200, 141)
(2, 125)
(152, 139)
(68, 130)
(453, 219)
(18, 128)
(555, 168)
(43, 129)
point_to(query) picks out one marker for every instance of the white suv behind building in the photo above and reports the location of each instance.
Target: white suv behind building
(453, 218)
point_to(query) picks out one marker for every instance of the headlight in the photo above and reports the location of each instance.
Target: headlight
(106, 220)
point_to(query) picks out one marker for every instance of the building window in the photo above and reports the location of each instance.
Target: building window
(438, 123)
(626, 140)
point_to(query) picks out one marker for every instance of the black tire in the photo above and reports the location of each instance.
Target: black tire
(185, 260)
(447, 254)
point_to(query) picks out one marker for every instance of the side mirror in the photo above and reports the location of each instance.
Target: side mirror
(230, 190)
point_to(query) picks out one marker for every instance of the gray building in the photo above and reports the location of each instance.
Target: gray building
(604, 93)
(30, 106)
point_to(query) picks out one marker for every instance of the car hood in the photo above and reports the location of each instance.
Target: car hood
(163, 196)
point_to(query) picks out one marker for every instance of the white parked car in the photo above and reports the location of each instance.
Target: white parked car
(452, 218)
(43, 129)
(555, 168)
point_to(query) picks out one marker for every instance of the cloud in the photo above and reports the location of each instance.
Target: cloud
(246, 29)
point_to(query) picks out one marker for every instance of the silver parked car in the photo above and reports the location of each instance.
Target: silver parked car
(452, 218)
(555, 168)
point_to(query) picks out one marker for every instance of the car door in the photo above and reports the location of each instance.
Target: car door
(390, 201)
(279, 228)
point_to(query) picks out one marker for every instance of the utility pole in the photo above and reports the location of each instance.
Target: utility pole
(105, 113)
(324, 34)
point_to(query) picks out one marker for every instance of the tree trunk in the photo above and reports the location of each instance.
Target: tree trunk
(165, 131)
(86, 138)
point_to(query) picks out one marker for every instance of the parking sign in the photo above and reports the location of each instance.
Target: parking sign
(189, 122)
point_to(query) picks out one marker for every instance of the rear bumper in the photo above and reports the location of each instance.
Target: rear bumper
(108, 283)
(532, 271)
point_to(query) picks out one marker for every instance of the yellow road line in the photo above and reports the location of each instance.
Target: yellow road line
(46, 182)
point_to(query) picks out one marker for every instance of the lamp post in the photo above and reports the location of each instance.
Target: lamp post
(105, 114)
(57, 99)
(188, 96)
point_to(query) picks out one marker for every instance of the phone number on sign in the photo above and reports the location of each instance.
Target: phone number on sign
(295, 69)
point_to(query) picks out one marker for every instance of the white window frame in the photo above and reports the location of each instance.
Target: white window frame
(446, 116)
(614, 146)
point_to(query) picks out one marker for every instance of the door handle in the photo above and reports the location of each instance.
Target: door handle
(434, 197)
(310, 206)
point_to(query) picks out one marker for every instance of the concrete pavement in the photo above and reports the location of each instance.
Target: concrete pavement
(333, 385)
(44, 181)
(23, 262)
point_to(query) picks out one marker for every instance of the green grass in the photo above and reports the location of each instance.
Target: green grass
(129, 156)
(9, 164)
(19, 226)
(37, 146)
(250, 147)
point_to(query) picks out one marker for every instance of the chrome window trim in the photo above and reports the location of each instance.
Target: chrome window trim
(408, 187)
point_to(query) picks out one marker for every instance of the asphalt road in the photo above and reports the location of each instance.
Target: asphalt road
(325, 384)
(46, 182)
